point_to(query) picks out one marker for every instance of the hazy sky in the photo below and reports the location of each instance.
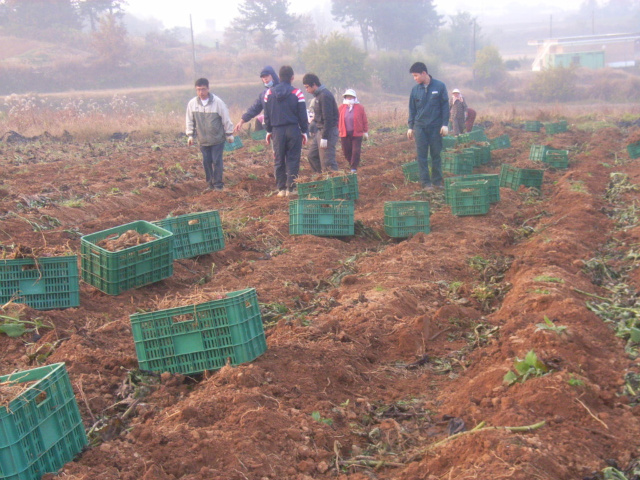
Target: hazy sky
(174, 14)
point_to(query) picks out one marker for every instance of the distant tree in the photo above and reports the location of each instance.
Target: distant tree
(337, 61)
(459, 37)
(264, 21)
(27, 16)
(553, 85)
(110, 42)
(391, 25)
(489, 68)
(93, 9)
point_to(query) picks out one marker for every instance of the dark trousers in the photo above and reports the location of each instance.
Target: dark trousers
(429, 142)
(323, 159)
(212, 163)
(287, 146)
(351, 147)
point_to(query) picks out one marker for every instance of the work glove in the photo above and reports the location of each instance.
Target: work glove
(268, 139)
(444, 131)
(304, 138)
(190, 140)
(366, 136)
(323, 143)
(230, 138)
(410, 134)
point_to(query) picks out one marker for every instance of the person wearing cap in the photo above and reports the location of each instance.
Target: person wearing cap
(322, 149)
(208, 121)
(428, 122)
(352, 127)
(269, 79)
(458, 111)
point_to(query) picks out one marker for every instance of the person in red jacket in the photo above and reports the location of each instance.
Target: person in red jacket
(352, 128)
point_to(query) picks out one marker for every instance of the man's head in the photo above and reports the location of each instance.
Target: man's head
(420, 73)
(266, 76)
(311, 82)
(286, 73)
(202, 88)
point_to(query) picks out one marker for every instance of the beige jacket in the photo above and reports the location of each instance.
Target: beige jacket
(210, 124)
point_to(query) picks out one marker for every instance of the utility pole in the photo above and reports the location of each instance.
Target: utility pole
(593, 21)
(193, 49)
(473, 56)
(550, 26)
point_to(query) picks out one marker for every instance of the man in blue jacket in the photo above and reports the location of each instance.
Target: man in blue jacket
(270, 79)
(428, 123)
(285, 119)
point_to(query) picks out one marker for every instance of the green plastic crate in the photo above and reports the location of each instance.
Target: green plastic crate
(41, 429)
(237, 143)
(259, 134)
(43, 284)
(195, 338)
(133, 267)
(403, 219)
(538, 152)
(476, 155)
(493, 185)
(532, 126)
(457, 163)
(513, 177)
(557, 158)
(469, 197)
(194, 234)
(449, 142)
(319, 189)
(634, 150)
(500, 142)
(463, 138)
(552, 128)
(485, 151)
(411, 171)
(324, 218)
(344, 187)
(477, 136)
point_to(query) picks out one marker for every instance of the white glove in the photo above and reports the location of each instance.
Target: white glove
(190, 140)
(444, 131)
(304, 138)
(323, 143)
(230, 138)
(366, 136)
(268, 138)
(410, 134)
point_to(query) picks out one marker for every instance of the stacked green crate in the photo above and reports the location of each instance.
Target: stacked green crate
(633, 149)
(194, 233)
(463, 138)
(493, 185)
(503, 141)
(477, 136)
(40, 429)
(411, 171)
(237, 143)
(319, 189)
(532, 126)
(344, 187)
(557, 158)
(195, 338)
(469, 197)
(133, 267)
(403, 219)
(459, 163)
(323, 218)
(551, 128)
(449, 142)
(476, 155)
(485, 152)
(42, 283)
(513, 177)
(537, 152)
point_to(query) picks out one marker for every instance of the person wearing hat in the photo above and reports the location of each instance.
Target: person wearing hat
(428, 123)
(352, 127)
(458, 108)
(269, 79)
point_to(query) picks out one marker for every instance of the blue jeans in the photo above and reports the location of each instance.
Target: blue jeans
(429, 141)
(212, 163)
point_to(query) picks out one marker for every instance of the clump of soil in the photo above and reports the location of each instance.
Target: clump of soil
(128, 239)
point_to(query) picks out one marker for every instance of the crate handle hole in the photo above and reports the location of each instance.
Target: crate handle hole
(144, 251)
(187, 317)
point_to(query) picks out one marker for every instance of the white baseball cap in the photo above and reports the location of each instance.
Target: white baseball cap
(349, 91)
(455, 90)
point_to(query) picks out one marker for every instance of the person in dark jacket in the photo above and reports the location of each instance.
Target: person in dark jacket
(270, 79)
(285, 119)
(322, 150)
(428, 122)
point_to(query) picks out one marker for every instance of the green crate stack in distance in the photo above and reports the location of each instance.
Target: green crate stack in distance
(512, 177)
(344, 187)
(532, 126)
(44, 283)
(411, 171)
(323, 218)
(319, 189)
(403, 219)
(557, 158)
(551, 128)
(485, 151)
(133, 267)
(258, 135)
(40, 429)
(194, 233)
(538, 152)
(463, 138)
(493, 185)
(633, 149)
(498, 143)
(449, 142)
(477, 136)
(457, 163)
(476, 155)
(237, 143)
(470, 197)
(195, 338)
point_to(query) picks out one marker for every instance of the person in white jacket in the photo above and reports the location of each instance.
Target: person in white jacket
(209, 123)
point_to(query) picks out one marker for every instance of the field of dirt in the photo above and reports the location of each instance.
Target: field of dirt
(379, 350)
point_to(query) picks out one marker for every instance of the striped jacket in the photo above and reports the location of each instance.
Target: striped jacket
(285, 105)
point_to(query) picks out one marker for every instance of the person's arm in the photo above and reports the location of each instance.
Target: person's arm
(412, 110)
(329, 115)
(444, 110)
(190, 124)
(303, 120)
(365, 121)
(267, 116)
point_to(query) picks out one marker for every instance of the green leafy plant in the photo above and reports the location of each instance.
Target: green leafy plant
(575, 382)
(549, 325)
(547, 278)
(525, 368)
(318, 418)
(14, 326)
